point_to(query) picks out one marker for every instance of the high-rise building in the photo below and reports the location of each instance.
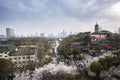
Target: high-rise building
(9, 32)
(63, 34)
(2, 36)
(119, 30)
(96, 28)
(42, 35)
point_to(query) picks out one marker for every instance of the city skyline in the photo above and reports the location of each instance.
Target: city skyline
(52, 16)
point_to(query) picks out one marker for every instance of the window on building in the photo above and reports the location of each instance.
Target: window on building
(28, 57)
(15, 62)
(15, 58)
(19, 61)
(31, 57)
(10, 58)
(23, 57)
(19, 57)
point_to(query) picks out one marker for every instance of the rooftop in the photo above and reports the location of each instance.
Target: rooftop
(4, 48)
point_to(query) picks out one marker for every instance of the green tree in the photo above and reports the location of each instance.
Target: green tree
(65, 46)
(97, 68)
(114, 41)
(117, 53)
(31, 66)
(87, 39)
(107, 62)
(41, 49)
(6, 69)
(47, 59)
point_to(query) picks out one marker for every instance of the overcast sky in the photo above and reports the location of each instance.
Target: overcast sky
(52, 16)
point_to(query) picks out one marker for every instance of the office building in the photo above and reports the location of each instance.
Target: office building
(63, 34)
(9, 33)
(118, 30)
(42, 35)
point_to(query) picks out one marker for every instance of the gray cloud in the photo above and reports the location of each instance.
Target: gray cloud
(54, 13)
(86, 9)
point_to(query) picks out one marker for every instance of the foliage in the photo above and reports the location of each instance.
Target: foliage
(91, 73)
(4, 48)
(25, 40)
(57, 76)
(103, 74)
(76, 50)
(87, 39)
(42, 47)
(97, 68)
(6, 69)
(66, 48)
(82, 37)
(106, 62)
(95, 53)
(103, 65)
(47, 59)
(117, 53)
(109, 61)
(115, 41)
(31, 66)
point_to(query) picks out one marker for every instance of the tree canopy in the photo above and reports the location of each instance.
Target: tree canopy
(6, 69)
